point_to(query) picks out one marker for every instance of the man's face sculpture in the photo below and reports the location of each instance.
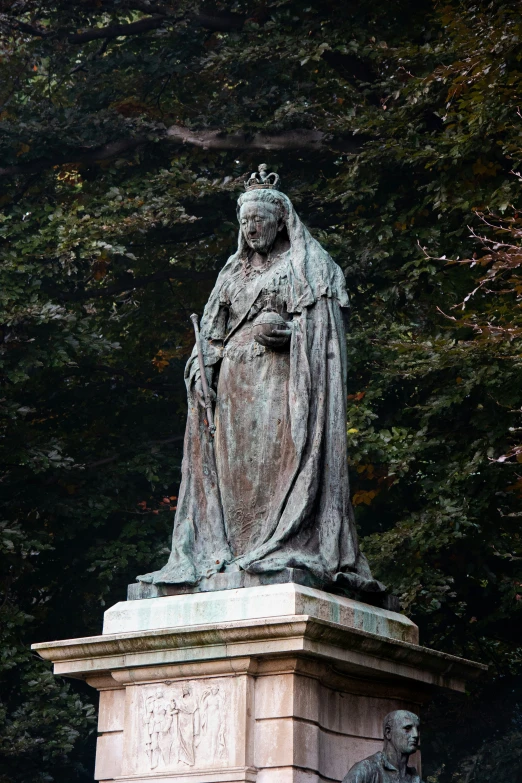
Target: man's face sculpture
(403, 733)
(259, 224)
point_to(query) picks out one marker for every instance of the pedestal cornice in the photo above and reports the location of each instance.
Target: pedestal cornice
(352, 651)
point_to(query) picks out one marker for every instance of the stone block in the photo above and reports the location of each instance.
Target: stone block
(274, 743)
(109, 756)
(356, 715)
(273, 600)
(287, 694)
(111, 712)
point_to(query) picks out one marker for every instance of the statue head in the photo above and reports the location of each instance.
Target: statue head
(268, 222)
(261, 210)
(261, 218)
(401, 732)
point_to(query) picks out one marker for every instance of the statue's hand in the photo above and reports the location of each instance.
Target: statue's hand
(198, 388)
(276, 338)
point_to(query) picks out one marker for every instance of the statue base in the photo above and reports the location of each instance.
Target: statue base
(232, 580)
(280, 683)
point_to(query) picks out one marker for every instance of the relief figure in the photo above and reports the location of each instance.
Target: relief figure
(186, 709)
(213, 716)
(158, 723)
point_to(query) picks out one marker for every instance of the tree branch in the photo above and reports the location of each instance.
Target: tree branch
(117, 30)
(217, 21)
(24, 27)
(94, 33)
(298, 140)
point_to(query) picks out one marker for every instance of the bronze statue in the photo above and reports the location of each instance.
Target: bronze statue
(266, 486)
(390, 765)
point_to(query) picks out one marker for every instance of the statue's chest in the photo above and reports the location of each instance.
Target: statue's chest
(248, 295)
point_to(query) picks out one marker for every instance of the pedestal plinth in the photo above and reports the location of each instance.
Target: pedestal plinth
(274, 684)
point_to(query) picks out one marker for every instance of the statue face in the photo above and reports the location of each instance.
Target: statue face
(259, 225)
(404, 732)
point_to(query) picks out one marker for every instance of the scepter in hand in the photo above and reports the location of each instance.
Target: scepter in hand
(204, 383)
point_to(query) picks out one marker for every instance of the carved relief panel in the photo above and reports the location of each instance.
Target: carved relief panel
(181, 726)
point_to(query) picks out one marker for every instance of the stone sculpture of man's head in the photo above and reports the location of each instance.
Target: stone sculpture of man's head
(401, 732)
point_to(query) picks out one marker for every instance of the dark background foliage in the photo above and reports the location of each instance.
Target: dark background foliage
(126, 127)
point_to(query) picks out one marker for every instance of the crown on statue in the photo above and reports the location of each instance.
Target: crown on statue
(260, 179)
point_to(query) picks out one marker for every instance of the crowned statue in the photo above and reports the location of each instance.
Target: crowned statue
(266, 487)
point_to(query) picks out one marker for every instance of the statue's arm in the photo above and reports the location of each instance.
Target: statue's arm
(213, 335)
(213, 330)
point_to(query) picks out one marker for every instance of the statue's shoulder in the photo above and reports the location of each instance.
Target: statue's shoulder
(224, 277)
(227, 270)
(366, 771)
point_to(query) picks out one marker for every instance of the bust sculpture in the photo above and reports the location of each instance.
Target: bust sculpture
(270, 490)
(401, 739)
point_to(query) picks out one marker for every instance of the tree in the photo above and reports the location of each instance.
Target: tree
(126, 128)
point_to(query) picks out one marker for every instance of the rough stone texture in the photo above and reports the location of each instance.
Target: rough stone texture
(285, 698)
(275, 600)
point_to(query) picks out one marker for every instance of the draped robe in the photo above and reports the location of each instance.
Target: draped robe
(280, 496)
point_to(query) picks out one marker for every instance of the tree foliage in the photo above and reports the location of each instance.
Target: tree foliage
(126, 127)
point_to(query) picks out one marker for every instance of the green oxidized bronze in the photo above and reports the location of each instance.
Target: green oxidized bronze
(401, 740)
(270, 489)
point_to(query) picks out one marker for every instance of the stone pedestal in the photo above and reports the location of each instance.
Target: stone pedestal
(279, 683)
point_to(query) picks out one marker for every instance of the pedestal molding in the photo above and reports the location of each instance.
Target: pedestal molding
(347, 647)
(230, 775)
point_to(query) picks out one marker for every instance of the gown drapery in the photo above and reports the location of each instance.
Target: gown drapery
(281, 494)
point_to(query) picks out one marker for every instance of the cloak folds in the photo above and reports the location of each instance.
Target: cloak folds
(281, 498)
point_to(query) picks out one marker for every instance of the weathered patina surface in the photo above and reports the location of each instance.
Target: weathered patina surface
(401, 739)
(273, 340)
